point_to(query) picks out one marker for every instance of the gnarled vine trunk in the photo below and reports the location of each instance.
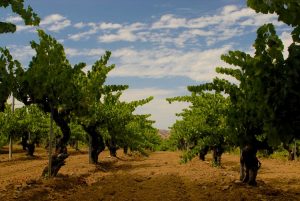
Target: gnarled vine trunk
(203, 152)
(217, 154)
(96, 143)
(61, 152)
(111, 143)
(249, 165)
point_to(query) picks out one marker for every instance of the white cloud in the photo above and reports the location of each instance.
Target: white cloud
(126, 33)
(21, 53)
(169, 21)
(121, 35)
(287, 41)
(25, 28)
(161, 111)
(228, 16)
(105, 25)
(229, 22)
(229, 9)
(82, 35)
(55, 22)
(86, 34)
(79, 25)
(94, 28)
(197, 65)
(96, 52)
(14, 19)
(136, 94)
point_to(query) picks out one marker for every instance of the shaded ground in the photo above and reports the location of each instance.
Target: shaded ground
(158, 177)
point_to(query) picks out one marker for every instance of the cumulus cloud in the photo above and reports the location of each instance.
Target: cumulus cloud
(121, 35)
(21, 53)
(229, 22)
(82, 35)
(197, 64)
(161, 111)
(96, 52)
(79, 25)
(229, 15)
(126, 33)
(287, 41)
(14, 19)
(55, 22)
(109, 25)
(169, 21)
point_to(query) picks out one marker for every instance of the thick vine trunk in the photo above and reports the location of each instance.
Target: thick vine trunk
(125, 149)
(61, 146)
(112, 147)
(203, 153)
(61, 152)
(96, 143)
(111, 143)
(249, 165)
(58, 160)
(292, 152)
(27, 144)
(217, 153)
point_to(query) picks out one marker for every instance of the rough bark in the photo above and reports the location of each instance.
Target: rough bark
(291, 155)
(61, 152)
(249, 165)
(112, 147)
(217, 153)
(111, 143)
(58, 160)
(125, 149)
(97, 145)
(27, 144)
(61, 146)
(203, 153)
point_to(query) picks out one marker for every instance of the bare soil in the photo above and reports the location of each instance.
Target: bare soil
(157, 177)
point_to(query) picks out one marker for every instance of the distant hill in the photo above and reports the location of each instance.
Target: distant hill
(164, 133)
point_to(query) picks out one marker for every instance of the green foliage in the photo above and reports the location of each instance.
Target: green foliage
(78, 135)
(26, 120)
(287, 10)
(127, 129)
(8, 70)
(266, 91)
(50, 82)
(167, 145)
(92, 91)
(102, 113)
(52, 73)
(17, 6)
(188, 155)
(140, 135)
(202, 125)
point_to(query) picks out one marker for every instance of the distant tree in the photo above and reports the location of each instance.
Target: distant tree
(8, 70)
(50, 83)
(34, 127)
(78, 135)
(203, 126)
(140, 135)
(9, 125)
(118, 114)
(89, 111)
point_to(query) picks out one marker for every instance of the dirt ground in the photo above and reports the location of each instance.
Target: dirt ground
(157, 177)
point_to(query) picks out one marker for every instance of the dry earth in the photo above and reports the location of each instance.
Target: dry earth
(157, 177)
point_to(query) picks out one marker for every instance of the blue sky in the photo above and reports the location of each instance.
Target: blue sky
(159, 46)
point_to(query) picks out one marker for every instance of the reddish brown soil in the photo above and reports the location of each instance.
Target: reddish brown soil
(158, 177)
